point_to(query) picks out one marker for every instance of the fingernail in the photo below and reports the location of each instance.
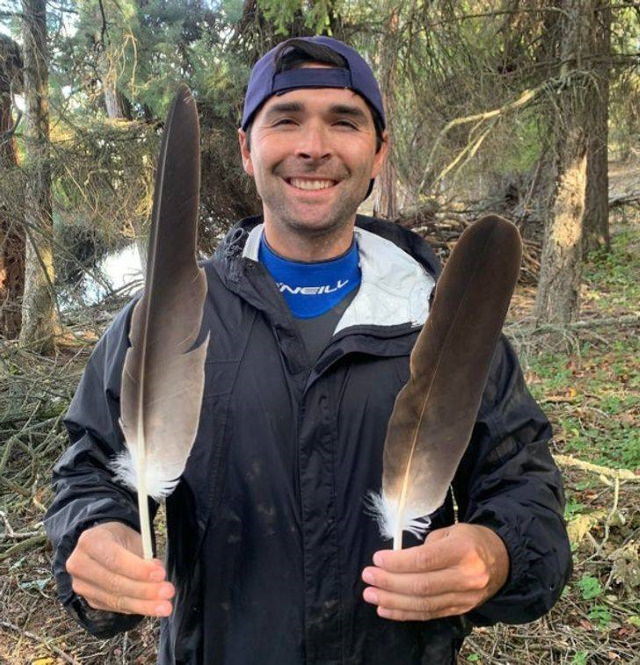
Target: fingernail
(367, 576)
(378, 559)
(163, 609)
(370, 595)
(166, 590)
(382, 612)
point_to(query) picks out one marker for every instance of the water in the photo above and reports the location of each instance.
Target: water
(118, 272)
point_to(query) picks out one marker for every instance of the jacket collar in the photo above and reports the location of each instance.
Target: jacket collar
(395, 287)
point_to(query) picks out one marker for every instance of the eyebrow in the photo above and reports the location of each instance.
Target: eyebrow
(284, 107)
(336, 109)
(346, 109)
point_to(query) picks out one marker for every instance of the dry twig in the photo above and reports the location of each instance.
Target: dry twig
(59, 652)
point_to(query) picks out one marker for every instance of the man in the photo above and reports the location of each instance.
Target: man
(272, 558)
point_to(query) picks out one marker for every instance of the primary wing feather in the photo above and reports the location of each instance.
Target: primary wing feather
(163, 375)
(435, 412)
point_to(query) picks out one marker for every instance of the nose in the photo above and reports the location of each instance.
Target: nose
(313, 144)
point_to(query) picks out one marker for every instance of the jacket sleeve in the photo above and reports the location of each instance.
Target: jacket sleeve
(508, 481)
(85, 492)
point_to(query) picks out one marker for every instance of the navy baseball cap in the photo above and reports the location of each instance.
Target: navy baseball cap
(266, 82)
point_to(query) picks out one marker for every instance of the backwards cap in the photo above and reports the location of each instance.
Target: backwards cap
(266, 82)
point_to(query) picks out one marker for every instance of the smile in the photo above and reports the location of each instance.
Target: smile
(308, 184)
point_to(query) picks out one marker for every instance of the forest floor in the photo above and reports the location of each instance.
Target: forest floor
(590, 392)
(592, 397)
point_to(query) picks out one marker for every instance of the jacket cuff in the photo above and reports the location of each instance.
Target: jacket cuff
(100, 623)
(537, 570)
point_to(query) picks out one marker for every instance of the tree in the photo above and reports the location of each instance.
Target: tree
(559, 283)
(385, 192)
(11, 229)
(38, 313)
(596, 232)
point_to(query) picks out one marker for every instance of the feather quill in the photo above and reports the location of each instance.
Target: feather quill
(434, 413)
(163, 373)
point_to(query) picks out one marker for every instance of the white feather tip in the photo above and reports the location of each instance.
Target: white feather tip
(387, 515)
(157, 486)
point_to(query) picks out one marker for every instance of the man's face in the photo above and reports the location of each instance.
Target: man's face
(313, 153)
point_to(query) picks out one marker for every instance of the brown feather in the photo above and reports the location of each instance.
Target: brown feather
(163, 374)
(434, 413)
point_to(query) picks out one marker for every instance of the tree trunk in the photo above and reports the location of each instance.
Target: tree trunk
(385, 194)
(38, 313)
(116, 104)
(385, 201)
(560, 272)
(596, 231)
(11, 229)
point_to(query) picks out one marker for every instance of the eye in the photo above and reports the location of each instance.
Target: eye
(347, 123)
(283, 121)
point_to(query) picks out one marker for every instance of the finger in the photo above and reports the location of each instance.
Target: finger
(417, 584)
(427, 606)
(100, 599)
(404, 615)
(101, 547)
(421, 558)
(92, 575)
(440, 534)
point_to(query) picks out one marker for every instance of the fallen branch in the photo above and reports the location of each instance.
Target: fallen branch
(616, 474)
(611, 515)
(15, 535)
(59, 652)
(15, 487)
(627, 199)
(630, 320)
(27, 544)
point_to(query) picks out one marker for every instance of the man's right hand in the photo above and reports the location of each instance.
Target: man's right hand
(108, 571)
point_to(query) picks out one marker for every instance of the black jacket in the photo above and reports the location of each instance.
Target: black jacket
(267, 530)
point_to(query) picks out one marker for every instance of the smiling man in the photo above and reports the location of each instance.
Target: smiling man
(313, 154)
(272, 558)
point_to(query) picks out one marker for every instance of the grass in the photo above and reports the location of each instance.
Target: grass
(593, 396)
(611, 279)
(593, 399)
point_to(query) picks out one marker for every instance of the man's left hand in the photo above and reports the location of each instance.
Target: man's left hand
(455, 570)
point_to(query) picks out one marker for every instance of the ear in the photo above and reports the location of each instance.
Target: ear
(381, 155)
(247, 164)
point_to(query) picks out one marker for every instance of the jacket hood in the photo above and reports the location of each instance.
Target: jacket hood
(398, 271)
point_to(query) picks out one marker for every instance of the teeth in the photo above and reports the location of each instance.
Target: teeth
(302, 183)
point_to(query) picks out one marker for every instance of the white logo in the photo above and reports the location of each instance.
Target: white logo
(312, 290)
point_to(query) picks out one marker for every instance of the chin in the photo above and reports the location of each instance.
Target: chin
(319, 222)
(318, 227)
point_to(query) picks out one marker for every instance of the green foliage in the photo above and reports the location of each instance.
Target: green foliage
(590, 587)
(572, 507)
(580, 658)
(613, 275)
(438, 62)
(527, 143)
(593, 397)
(600, 615)
(282, 13)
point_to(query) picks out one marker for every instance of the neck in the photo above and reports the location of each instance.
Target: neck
(307, 247)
